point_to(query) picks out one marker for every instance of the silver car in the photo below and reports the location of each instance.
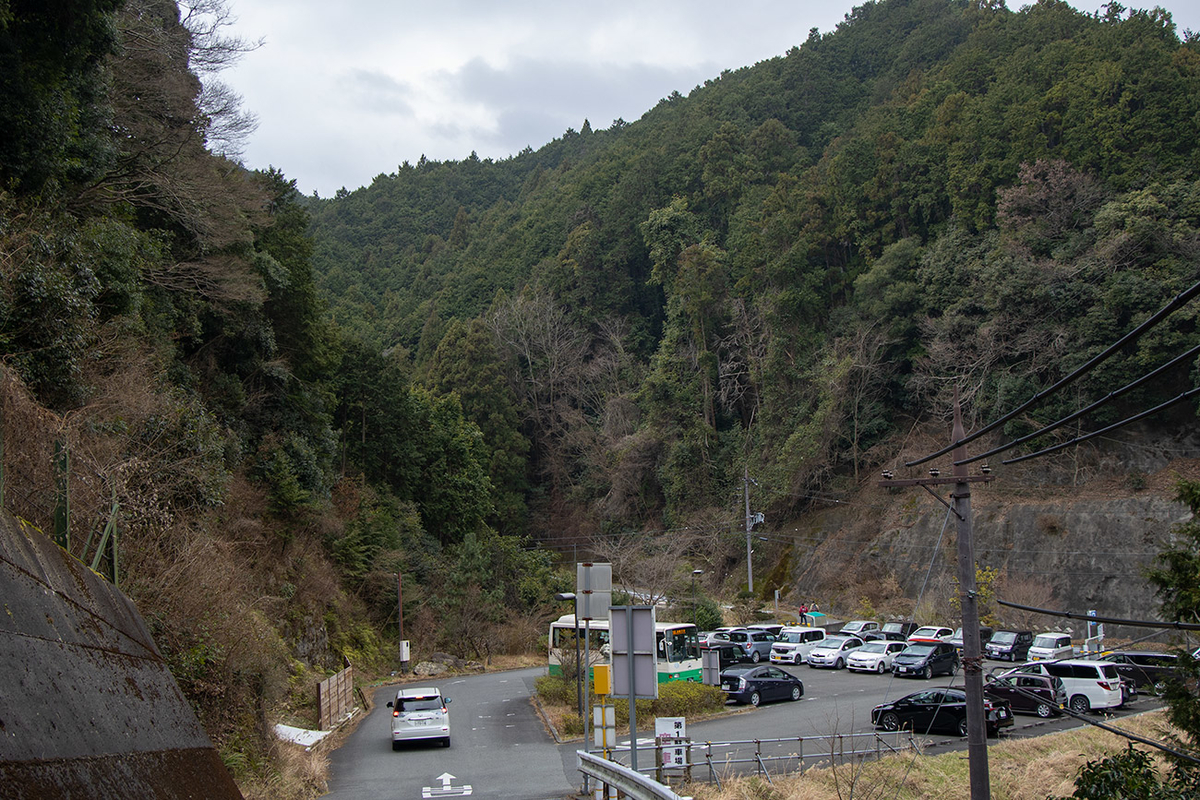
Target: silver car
(420, 713)
(833, 651)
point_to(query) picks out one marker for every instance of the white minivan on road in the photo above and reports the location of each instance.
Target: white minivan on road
(420, 713)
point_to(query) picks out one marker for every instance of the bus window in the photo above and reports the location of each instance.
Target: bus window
(674, 645)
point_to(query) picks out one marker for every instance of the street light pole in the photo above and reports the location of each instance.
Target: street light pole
(695, 572)
(578, 676)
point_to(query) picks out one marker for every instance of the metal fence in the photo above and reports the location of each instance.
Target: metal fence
(713, 761)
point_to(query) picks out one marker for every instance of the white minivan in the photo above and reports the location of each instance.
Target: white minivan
(1090, 685)
(420, 713)
(1051, 646)
(795, 643)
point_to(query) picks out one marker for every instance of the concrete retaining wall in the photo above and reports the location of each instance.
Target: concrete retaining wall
(87, 705)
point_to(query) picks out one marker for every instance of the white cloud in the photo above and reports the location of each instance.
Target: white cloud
(345, 92)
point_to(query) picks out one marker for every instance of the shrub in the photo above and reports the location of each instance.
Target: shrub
(675, 699)
(555, 689)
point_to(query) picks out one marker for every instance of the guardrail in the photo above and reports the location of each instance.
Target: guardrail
(611, 776)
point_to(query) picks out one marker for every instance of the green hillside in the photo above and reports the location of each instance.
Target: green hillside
(788, 266)
(467, 367)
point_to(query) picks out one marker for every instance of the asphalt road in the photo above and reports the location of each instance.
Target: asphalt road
(500, 749)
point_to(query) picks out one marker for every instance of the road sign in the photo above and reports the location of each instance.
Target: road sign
(605, 727)
(671, 734)
(633, 627)
(593, 590)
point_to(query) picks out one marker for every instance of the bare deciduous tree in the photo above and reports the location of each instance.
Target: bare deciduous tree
(654, 565)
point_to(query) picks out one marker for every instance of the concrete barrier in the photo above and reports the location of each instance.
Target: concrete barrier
(87, 705)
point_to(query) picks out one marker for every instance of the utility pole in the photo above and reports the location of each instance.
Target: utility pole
(749, 525)
(972, 661)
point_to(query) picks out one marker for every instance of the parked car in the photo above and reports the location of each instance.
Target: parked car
(857, 627)
(420, 713)
(1089, 684)
(1144, 668)
(900, 627)
(946, 709)
(760, 684)
(1009, 645)
(833, 651)
(930, 633)
(794, 644)
(926, 659)
(956, 638)
(884, 636)
(755, 644)
(1051, 646)
(772, 628)
(874, 656)
(1043, 695)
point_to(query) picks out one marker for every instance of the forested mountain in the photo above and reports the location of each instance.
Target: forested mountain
(785, 273)
(791, 265)
(168, 366)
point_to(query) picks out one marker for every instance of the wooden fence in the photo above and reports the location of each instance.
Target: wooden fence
(335, 698)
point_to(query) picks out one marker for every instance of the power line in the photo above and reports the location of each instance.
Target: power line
(1179, 301)
(1113, 427)
(1082, 412)
(1133, 623)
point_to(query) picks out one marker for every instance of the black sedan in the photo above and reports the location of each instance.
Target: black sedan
(1043, 695)
(760, 684)
(945, 709)
(1145, 669)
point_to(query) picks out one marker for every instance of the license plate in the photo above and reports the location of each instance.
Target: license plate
(726, 686)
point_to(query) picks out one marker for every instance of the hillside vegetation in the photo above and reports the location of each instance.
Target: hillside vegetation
(466, 366)
(785, 270)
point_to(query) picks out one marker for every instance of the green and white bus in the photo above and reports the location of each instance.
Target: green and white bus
(677, 645)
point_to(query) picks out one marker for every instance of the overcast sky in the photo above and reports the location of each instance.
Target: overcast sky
(348, 90)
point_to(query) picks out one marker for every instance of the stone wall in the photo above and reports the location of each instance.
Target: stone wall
(88, 707)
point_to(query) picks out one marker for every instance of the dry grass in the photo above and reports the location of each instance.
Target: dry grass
(298, 774)
(1025, 769)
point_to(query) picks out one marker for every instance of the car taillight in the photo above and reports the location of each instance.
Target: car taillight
(396, 713)
(1105, 685)
(742, 683)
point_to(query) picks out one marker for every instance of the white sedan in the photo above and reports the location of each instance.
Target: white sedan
(930, 633)
(874, 656)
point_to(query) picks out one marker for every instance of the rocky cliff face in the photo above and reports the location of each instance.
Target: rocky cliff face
(1070, 545)
(1071, 555)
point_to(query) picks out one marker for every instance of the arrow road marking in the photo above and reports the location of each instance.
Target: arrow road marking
(446, 789)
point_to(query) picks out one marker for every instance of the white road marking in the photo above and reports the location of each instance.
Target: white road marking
(446, 789)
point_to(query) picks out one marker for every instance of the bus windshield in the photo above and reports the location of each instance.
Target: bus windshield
(678, 645)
